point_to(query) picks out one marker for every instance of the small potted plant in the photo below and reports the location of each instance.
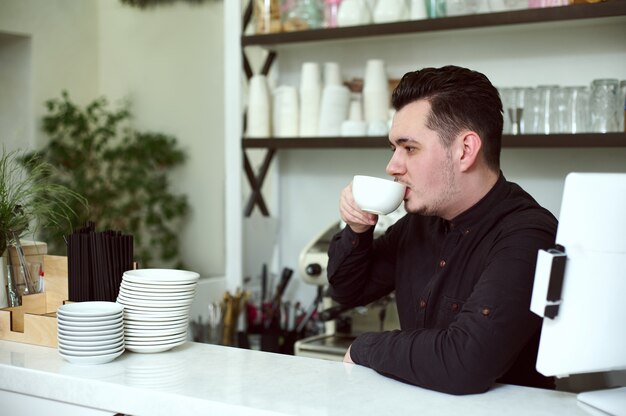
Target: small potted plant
(28, 201)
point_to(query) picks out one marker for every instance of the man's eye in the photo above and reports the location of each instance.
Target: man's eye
(409, 149)
(393, 148)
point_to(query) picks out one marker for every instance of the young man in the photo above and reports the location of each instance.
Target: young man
(462, 260)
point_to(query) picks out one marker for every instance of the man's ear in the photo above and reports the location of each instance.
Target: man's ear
(470, 150)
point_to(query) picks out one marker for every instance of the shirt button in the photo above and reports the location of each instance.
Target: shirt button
(486, 311)
(442, 263)
(422, 303)
(455, 306)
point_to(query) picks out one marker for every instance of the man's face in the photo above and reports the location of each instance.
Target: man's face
(421, 162)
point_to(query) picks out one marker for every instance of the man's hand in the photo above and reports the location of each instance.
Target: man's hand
(347, 358)
(358, 220)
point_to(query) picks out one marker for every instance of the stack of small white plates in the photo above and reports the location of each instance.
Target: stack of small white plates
(156, 308)
(90, 332)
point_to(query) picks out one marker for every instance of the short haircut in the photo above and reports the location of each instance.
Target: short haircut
(460, 99)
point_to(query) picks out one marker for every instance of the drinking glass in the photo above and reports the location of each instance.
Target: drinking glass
(546, 95)
(603, 105)
(577, 113)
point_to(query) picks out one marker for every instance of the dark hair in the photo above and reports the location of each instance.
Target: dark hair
(460, 99)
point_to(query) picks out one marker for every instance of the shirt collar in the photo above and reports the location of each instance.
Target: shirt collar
(478, 211)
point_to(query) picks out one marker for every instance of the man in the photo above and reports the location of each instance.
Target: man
(462, 260)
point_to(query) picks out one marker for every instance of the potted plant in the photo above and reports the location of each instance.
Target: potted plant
(123, 174)
(28, 201)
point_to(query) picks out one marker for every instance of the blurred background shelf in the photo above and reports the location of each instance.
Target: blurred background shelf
(567, 14)
(519, 141)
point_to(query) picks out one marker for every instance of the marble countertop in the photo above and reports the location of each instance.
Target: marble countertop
(208, 379)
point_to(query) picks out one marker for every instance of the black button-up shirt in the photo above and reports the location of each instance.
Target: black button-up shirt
(463, 290)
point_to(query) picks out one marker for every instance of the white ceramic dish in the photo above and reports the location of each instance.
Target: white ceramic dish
(160, 276)
(128, 332)
(148, 339)
(134, 294)
(95, 328)
(65, 351)
(71, 341)
(89, 309)
(89, 324)
(154, 303)
(155, 327)
(71, 318)
(92, 360)
(155, 318)
(93, 338)
(150, 349)
(73, 349)
(154, 309)
(141, 287)
(89, 334)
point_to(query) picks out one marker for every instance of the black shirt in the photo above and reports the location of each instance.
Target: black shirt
(463, 290)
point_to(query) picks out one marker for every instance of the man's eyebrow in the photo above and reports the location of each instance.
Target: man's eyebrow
(403, 140)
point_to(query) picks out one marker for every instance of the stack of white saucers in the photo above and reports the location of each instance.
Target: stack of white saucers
(90, 332)
(156, 308)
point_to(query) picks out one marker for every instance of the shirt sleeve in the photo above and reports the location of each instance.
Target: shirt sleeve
(483, 340)
(358, 274)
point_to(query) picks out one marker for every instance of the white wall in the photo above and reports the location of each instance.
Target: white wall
(53, 45)
(168, 61)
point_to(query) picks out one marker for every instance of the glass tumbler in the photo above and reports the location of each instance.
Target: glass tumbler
(603, 105)
(577, 110)
(546, 114)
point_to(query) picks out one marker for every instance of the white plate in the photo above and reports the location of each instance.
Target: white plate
(73, 349)
(89, 334)
(129, 323)
(94, 359)
(70, 318)
(130, 302)
(89, 309)
(149, 349)
(155, 318)
(89, 324)
(90, 353)
(81, 342)
(92, 338)
(140, 287)
(160, 276)
(156, 309)
(153, 332)
(159, 327)
(133, 339)
(96, 328)
(135, 294)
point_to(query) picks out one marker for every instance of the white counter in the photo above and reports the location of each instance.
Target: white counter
(196, 379)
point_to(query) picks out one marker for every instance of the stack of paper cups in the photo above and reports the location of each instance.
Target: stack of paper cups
(259, 108)
(286, 111)
(375, 91)
(310, 96)
(354, 125)
(334, 110)
(332, 74)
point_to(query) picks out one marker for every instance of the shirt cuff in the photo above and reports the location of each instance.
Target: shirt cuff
(359, 350)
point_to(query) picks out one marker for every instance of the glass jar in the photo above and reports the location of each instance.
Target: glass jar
(305, 14)
(603, 104)
(267, 16)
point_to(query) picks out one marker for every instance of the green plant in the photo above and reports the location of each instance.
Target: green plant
(28, 199)
(121, 172)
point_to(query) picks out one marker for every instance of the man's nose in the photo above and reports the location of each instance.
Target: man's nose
(394, 167)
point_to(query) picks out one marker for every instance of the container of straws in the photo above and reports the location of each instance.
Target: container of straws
(96, 263)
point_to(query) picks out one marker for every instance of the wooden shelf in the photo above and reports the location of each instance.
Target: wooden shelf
(575, 12)
(508, 141)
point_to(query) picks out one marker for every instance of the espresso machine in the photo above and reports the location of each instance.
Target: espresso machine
(341, 325)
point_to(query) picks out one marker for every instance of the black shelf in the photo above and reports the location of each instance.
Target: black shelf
(609, 8)
(508, 141)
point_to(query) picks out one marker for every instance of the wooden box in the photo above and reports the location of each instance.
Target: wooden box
(35, 321)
